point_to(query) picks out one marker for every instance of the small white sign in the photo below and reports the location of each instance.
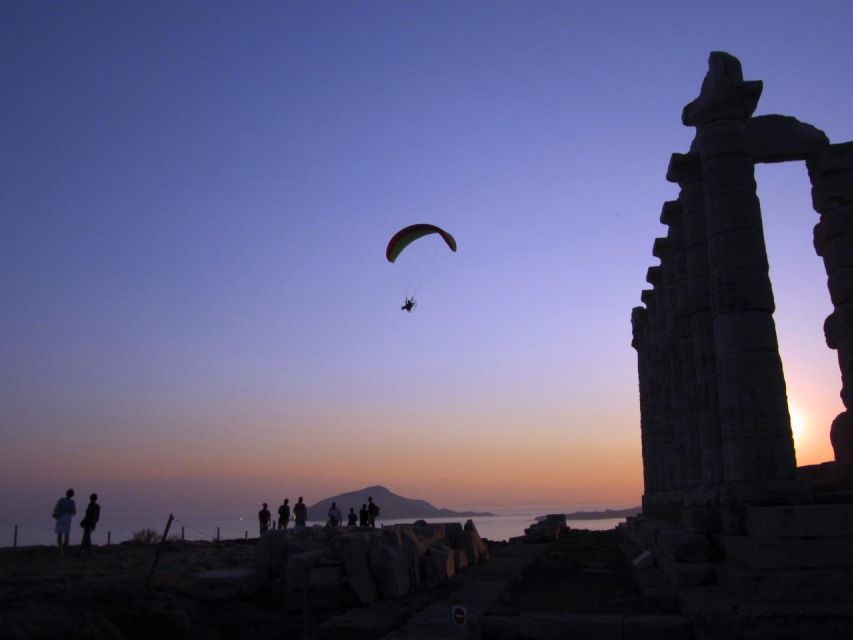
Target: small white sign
(459, 615)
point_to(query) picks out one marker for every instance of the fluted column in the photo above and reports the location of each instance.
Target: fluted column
(686, 170)
(653, 462)
(639, 328)
(831, 172)
(661, 316)
(684, 395)
(754, 422)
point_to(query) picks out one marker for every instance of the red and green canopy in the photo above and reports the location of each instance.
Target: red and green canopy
(406, 236)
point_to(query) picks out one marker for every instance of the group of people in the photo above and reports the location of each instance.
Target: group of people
(366, 516)
(64, 512)
(300, 515)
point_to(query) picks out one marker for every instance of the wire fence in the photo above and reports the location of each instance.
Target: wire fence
(35, 532)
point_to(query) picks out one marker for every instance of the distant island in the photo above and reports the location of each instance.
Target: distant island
(600, 515)
(391, 505)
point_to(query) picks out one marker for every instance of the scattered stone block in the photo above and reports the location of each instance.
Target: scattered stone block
(225, 584)
(800, 521)
(652, 627)
(460, 558)
(390, 569)
(644, 561)
(352, 550)
(684, 546)
(437, 565)
(497, 627)
(779, 553)
(564, 626)
(712, 615)
(784, 585)
(659, 595)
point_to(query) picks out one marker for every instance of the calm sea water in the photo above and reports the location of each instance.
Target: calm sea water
(38, 530)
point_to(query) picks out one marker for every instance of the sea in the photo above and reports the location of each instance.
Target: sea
(23, 529)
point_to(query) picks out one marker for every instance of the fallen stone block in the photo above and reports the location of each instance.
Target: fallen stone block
(437, 565)
(777, 553)
(352, 551)
(390, 569)
(566, 626)
(800, 521)
(657, 628)
(784, 585)
(225, 584)
(712, 615)
(497, 627)
(684, 546)
(687, 573)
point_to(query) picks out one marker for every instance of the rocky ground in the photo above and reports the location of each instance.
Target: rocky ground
(104, 596)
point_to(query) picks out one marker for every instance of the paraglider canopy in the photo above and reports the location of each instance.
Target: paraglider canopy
(406, 236)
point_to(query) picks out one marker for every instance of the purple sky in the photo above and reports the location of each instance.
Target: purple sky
(195, 203)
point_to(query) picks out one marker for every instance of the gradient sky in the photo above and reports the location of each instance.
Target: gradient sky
(195, 201)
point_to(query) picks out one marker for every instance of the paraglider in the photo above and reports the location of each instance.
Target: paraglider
(406, 236)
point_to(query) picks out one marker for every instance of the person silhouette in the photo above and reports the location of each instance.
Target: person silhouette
(62, 513)
(284, 514)
(300, 513)
(372, 512)
(334, 516)
(352, 518)
(362, 516)
(264, 518)
(93, 514)
(409, 305)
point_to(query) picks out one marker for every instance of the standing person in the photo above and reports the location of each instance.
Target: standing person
(62, 513)
(264, 519)
(93, 514)
(352, 519)
(372, 512)
(362, 516)
(334, 516)
(284, 514)
(300, 513)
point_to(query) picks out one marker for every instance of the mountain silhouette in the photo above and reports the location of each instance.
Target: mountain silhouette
(390, 504)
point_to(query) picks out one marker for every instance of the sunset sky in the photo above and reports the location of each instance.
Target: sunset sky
(195, 199)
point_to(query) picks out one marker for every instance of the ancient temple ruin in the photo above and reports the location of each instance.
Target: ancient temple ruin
(725, 507)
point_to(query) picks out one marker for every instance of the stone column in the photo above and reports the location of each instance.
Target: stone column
(831, 173)
(653, 463)
(639, 327)
(669, 442)
(686, 170)
(754, 422)
(684, 394)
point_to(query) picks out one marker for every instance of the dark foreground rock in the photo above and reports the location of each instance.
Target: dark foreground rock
(250, 589)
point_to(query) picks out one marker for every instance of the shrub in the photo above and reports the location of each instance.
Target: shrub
(145, 536)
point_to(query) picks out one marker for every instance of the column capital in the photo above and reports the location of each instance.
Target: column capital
(654, 276)
(724, 94)
(662, 248)
(671, 212)
(684, 167)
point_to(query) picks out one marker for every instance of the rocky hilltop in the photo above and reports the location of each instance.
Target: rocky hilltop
(392, 506)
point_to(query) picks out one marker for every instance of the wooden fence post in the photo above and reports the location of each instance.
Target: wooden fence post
(109, 536)
(159, 549)
(217, 534)
(182, 533)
